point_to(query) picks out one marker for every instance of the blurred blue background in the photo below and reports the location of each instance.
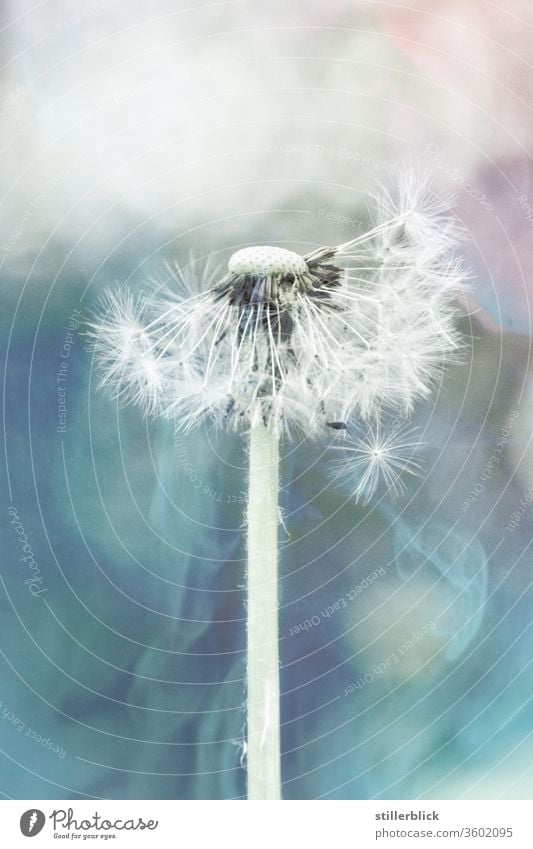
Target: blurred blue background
(136, 137)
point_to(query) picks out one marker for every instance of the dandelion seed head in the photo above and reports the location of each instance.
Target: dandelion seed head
(265, 260)
(297, 342)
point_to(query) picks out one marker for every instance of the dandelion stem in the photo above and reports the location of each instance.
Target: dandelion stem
(263, 747)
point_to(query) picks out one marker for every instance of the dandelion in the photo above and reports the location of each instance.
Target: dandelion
(282, 342)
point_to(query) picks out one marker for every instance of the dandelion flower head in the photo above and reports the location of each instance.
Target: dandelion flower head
(296, 341)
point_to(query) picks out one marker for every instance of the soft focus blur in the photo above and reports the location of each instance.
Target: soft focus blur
(138, 134)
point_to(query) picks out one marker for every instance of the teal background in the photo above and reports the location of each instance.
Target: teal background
(136, 137)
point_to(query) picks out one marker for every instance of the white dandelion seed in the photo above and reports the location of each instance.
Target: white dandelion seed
(280, 341)
(380, 456)
(124, 352)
